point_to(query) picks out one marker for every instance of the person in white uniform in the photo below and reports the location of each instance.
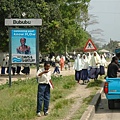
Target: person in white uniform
(95, 66)
(85, 66)
(43, 94)
(78, 68)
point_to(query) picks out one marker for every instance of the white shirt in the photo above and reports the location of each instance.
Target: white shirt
(3, 64)
(85, 64)
(103, 61)
(77, 64)
(95, 61)
(7, 61)
(44, 78)
(58, 58)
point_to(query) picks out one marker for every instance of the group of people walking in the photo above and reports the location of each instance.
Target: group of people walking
(15, 68)
(89, 66)
(61, 63)
(86, 66)
(5, 65)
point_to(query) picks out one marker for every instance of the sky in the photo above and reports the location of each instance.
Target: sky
(107, 14)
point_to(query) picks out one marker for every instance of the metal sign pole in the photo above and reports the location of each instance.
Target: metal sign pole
(37, 56)
(9, 72)
(37, 49)
(10, 82)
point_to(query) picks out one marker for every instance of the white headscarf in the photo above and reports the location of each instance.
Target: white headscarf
(58, 58)
(103, 61)
(84, 60)
(95, 60)
(77, 64)
(89, 57)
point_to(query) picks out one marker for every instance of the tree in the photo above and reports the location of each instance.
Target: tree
(60, 27)
(111, 45)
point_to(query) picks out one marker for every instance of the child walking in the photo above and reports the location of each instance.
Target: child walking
(43, 95)
(56, 70)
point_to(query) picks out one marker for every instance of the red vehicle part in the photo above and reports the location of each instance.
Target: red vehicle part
(106, 87)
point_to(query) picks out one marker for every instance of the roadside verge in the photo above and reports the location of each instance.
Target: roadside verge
(91, 109)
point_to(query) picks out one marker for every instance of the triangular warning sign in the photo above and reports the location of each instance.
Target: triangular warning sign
(89, 46)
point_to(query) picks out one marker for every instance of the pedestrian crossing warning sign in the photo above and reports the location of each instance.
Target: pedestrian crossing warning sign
(89, 46)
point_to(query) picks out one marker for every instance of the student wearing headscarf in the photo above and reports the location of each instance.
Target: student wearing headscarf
(89, 57)
(95, 64)
(85, 66)
(102, 64)
(78, 68)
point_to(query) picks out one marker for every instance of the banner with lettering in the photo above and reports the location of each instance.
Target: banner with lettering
(23, 45)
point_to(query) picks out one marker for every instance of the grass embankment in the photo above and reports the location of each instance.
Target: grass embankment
(94, 85)
(18, 102)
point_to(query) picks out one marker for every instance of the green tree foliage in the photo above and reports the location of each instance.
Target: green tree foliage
(61, 22)
(111, 46)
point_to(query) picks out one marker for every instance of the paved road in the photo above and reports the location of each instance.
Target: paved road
(104, 113)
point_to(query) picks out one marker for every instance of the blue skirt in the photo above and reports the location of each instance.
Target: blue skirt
(102, 70)
(78, 75)
(94, 72)
(84, 74)
(3, 70)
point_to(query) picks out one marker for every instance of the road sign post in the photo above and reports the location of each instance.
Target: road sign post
(15, 34)
(89, 46)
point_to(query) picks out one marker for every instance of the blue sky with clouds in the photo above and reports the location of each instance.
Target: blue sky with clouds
(107, 13)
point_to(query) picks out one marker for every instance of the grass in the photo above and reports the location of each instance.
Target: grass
(18, 102)
(82, 108)
(60, 109)
(94, 85)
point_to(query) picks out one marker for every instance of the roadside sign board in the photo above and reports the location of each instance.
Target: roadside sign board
(23, 22)
(24, 42)
(89, 46)
(23, 45)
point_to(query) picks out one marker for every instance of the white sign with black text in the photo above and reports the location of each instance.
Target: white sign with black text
(23, 22)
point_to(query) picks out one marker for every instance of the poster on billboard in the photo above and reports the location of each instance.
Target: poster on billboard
(23, 45)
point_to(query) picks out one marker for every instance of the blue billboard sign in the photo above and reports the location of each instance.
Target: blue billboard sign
(23, 45)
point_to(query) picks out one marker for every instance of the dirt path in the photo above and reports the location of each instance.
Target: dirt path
(5, 78)
(78, 94)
